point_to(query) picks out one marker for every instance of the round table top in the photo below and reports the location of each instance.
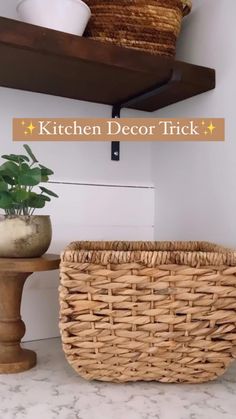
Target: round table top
(47, 262)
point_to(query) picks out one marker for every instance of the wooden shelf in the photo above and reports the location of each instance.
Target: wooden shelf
(46, 61)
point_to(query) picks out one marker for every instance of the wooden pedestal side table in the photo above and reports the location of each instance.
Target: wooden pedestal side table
(13, 274)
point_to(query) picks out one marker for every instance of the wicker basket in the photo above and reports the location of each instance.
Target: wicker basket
(161, 311)
(147, 25)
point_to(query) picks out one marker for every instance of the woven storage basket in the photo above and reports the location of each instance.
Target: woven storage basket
(160, 311)
(147, 25)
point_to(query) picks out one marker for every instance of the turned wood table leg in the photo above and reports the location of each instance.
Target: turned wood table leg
(13, 358)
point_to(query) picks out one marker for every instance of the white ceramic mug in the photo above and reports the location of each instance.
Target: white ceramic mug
(69, 16)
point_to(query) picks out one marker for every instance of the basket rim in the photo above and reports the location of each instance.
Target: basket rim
(189, 253)
(153, 246)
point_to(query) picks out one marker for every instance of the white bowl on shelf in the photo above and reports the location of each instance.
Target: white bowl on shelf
(69, 16)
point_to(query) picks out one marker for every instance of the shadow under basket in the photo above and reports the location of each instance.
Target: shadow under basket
(162, 311)
(146, 25)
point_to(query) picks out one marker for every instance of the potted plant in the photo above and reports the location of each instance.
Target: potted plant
(63, 15)
(23, 234)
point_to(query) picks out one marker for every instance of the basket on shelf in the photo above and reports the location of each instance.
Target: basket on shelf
(161, 311)
(147, 25)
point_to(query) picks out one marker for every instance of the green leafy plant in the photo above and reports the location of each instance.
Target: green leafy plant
(19, 175)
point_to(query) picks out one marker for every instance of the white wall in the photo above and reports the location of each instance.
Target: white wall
(196, 182)
(82, 212)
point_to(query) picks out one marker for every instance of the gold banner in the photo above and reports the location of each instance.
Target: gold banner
(124, 129)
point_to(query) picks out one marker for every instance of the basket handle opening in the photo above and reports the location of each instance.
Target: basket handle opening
(187, 7)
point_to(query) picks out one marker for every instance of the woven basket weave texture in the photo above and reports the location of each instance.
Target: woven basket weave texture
(147, 25)
(161, 311)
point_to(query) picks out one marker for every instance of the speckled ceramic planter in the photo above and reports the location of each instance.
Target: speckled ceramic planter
(24, 236)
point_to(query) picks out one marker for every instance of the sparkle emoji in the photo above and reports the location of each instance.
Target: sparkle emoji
(211, 128)
(31, 128)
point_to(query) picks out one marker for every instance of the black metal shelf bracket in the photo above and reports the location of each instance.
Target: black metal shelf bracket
(115, 145)
(175, 76)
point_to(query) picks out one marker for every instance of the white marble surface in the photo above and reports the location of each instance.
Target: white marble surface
(52, 390)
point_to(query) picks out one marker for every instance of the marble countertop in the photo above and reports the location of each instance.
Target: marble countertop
(52, 390)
